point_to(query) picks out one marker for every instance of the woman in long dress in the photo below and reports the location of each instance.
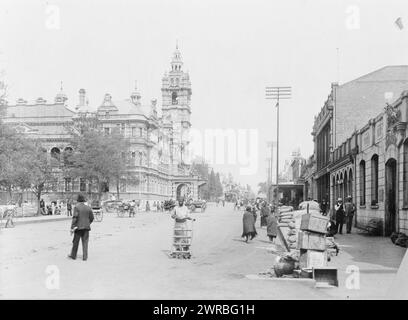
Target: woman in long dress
(272, 226)
(248, 221)
(264, 214)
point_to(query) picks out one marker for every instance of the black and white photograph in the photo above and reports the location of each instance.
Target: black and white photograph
(207, 150)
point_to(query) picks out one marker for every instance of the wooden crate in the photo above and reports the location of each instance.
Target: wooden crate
(314, 223)
(312, 259)
(326, 277)
(311, 241)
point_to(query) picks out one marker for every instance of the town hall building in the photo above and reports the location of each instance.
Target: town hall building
(157, 143)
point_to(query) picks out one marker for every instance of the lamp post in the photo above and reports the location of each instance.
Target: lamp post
(278, 93)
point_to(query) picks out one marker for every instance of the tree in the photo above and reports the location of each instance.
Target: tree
(212, 185)
(100, 158)
(218, 186)
(14, 159)
(3, 94)
(201, 169)
(263, 187)
(40, 171)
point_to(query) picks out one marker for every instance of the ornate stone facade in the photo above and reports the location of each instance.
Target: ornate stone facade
(157, 143)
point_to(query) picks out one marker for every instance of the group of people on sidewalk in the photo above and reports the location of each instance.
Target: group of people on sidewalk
(344, 213)
(55, 207)
(268, 219)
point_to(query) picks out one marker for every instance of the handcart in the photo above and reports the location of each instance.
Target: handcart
(182, 239)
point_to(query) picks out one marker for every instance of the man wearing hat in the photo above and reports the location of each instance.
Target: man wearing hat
(339, 210)
(349, 209)
(81, 225)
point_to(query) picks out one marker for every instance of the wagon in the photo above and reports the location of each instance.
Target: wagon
(197, 204)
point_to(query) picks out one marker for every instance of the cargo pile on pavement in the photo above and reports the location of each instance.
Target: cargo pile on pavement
(286, 220)
(308, 248)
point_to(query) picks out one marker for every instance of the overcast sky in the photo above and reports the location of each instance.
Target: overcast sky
(232, 50)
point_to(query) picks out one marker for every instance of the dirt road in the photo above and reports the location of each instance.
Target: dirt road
(128, 259)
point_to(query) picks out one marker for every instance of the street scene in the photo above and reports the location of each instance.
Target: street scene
(199, 150)
(223, 266)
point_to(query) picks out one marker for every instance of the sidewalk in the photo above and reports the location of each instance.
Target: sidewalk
(37, 219)
(372, 262)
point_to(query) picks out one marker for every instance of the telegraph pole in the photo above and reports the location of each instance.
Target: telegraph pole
(278, 93)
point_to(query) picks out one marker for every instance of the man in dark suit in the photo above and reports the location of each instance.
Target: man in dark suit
(81, 225)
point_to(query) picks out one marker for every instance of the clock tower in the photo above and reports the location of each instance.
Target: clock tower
(176, 96)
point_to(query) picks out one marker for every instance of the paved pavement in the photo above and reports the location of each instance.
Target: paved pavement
(128, 259)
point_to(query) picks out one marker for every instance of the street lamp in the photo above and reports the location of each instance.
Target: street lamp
(277, 93)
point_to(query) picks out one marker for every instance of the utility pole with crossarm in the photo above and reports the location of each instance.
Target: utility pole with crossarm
(278, 93)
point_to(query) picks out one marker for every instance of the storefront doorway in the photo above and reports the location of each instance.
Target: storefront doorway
(390, 197)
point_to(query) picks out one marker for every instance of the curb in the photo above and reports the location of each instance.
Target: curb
(17, 221)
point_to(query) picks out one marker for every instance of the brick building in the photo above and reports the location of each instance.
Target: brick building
(347, 108)
(372, 166)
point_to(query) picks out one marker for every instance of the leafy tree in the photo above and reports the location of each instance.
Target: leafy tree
(100, 158)
(263, 187)
(3, 94)
(218, 186)
(13, 159)
(40, 171)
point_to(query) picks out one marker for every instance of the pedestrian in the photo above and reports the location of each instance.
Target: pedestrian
(349, 209)
(248, 221)
(181, 215)
(42, 207)
(69, 208)
(339, 211)
(147, 206)
(323, 207)
(53, 206)
(272, 226)
(80, 226)
(264, 213)
(253, 209)
(132, 208)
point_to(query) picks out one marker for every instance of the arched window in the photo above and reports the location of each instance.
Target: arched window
(405, 174)
(56, 154)
(362, 169)
(374, 180)
(174, 98)
(350, 184)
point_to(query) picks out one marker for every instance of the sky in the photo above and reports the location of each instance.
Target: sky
(231, 49)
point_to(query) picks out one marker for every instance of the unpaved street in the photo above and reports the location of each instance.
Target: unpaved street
(128, 259)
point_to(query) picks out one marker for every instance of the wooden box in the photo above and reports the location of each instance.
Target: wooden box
(325, 277)
(314, 223)
(311, 241)
(309, 259)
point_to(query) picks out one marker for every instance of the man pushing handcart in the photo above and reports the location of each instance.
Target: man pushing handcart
(183, 232)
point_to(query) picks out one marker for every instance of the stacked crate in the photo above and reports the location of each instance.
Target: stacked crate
(312, 241)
